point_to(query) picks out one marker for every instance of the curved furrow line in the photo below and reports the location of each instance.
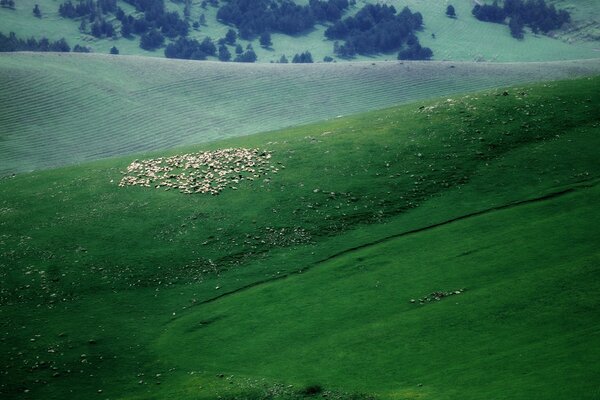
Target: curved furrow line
(53, 102)
(198, 102)
(546, 197)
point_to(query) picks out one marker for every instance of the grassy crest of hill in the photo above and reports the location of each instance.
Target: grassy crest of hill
(139, 292)
(460, 39)
(60, 109)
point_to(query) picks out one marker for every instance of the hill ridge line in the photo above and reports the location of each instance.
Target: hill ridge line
(283, 65)
(548, 196)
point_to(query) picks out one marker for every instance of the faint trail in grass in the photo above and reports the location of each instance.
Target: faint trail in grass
(549, 196)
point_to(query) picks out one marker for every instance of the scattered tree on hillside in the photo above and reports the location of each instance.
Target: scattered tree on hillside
(191, 49)
(374, 29)
(155, 17)
(172, 25)
(224, 53)
(187, 8)
(81, 49)
(516, 28)
(7, 4)
(327, 59)
(328, 10)
(303, 58)
(450, 11)
(415, 52)
(151, 40)
(533, 13)
(120, 14)
(85, 8)
(12, 43)
(249, 56)
(102, 28)
(202, 19)
(126, 29)
(230, 37)
(265, 39)
(36, 11)
(253, 17)
(489, 12)
(283, 59)
(114, 50)
(239, 49)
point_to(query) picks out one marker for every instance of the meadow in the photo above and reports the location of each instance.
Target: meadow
(460, 39)
(61, 109)
(311, 282)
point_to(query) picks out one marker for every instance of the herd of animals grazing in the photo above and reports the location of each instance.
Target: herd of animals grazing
(204, 172)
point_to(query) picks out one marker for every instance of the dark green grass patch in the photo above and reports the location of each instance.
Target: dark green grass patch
(146, 293)
(526, 316)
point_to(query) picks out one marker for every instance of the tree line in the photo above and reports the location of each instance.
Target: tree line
(535, 14)
(254, 17)
(93, 11)
(378, 28)
(87, 8)
(13, 43)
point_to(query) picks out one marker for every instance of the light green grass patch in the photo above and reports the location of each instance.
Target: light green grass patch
(61, 109)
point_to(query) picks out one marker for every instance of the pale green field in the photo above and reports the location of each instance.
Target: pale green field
(461, 39)
(586, 20)
(60, 109)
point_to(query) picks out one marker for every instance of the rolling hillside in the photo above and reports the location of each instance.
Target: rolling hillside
(60, 109)
(461, 39)
(440, 249)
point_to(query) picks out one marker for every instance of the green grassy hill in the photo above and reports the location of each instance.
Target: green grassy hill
(585, 23)
(60, 109)
(301, 281)
(462, 39)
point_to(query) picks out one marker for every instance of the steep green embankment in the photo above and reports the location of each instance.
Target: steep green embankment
(62, 109)
(305, 277)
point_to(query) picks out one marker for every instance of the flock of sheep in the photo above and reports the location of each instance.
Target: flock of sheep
(203, 172)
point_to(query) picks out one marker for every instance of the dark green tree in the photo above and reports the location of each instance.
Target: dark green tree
(114, 50)
(81, 49)
(187, 8)
(231, 37)
(450, 11)
(265, 39)
(36, 11)
(303, 58)
(516, 28)
(224, 53)
(151, 40)
(249, 56)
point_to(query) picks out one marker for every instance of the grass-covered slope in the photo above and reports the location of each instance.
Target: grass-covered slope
(461, 39)
(62, 109)
(305, 278)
